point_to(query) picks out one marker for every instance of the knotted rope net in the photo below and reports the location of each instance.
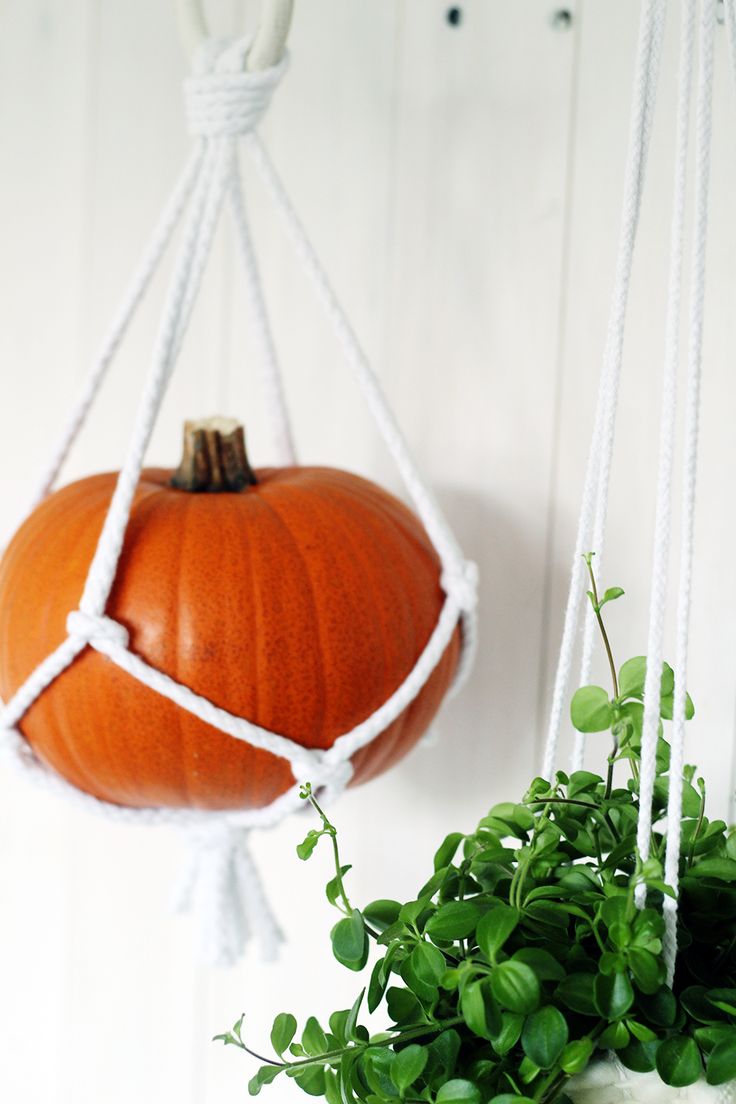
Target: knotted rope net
(224, 106)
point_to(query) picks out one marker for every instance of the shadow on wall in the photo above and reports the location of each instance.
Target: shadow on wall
(488, 738)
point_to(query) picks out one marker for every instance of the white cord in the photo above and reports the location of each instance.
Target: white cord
(662, 528)
(271, 383)
(704, 129)
(111, 343)
(647, 66)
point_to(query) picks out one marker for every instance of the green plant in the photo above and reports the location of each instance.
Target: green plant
(524, 956)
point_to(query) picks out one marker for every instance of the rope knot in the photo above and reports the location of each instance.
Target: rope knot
(221, 98)
(97, 630)
(460, 582)
(329, 770)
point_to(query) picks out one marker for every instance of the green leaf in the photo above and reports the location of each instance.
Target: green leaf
(583, 782)
(282, 1032)
(479, 1009)
(311, 1080)
(648, 970)
(443, 1053)
(544, 965)
(332, 889)
(350, 941)
(338, 1021)
(265, 1076)
(678, 1061)
(590, 710)
(575, 1056)
(545, 1036)
(455, 920)
(445, 853)
(610, 596)
(509, 1034)
(613, 995)
(403, 1006)
(377, 984)
(515, 987)
(725, 999)
(381, 914)
(408, 1066)
(632, 677)
(495, 928)
(314, 1039)
(351, 1024)
(577, 993)
(428, 963)
(722, 1062)
(458, 1091)
(307, 846)
(660, 1009)
(667, 707)
(639, 1057)
(615, 1037)
(722, 869)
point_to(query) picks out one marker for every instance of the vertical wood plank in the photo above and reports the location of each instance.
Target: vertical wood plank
(44, 105)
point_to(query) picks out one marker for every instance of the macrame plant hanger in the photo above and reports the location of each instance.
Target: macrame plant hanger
(697, 26)
(226, 98)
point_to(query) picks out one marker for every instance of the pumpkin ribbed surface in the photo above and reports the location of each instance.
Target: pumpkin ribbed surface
(300, 603)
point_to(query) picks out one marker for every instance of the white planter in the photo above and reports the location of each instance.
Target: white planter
(609, 1083)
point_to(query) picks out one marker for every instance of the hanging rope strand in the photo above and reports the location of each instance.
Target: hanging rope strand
(692, 428)
(647, 80)
(185, 283)
(423, 499)
(662, 527)
(111, 343)
(651, 29)
(272, 386)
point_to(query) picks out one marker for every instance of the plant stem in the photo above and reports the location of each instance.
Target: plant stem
(401, 1037)
(601, 626)
(331, 831)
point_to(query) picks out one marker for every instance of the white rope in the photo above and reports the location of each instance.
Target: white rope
(646, 84)
(271, 384)
(459, 578)
(662, 527)
(690, 465)
(221, 880)
(651, 30)
(188, 272)
(111, 343)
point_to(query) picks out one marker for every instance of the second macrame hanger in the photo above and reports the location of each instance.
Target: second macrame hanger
(697, 38)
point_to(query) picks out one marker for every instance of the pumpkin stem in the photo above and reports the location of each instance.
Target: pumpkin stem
(214, 457)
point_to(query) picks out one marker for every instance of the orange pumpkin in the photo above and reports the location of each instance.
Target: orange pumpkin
(300, 602)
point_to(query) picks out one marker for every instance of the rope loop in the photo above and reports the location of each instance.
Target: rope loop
(97, 630)
(221, 99)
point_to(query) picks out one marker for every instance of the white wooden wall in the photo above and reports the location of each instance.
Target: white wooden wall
(463, 186)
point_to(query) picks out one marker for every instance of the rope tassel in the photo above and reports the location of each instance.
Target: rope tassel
(221, 885)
